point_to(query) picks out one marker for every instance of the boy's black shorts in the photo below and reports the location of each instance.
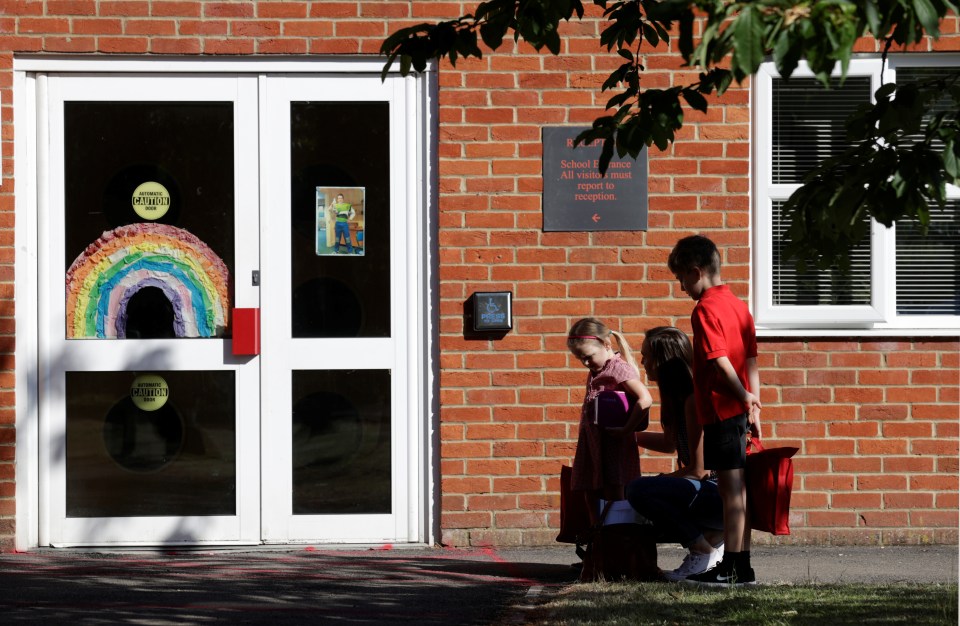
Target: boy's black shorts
(725, 444)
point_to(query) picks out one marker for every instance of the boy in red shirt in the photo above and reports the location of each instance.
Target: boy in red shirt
(726, 382)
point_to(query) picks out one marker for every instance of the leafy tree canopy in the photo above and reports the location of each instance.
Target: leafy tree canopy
(901, 157)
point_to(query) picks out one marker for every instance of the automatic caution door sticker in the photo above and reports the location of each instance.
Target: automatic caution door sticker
(151, 200)
(149, 392)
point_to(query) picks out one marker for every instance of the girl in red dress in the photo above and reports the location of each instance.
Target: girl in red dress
(607, 459)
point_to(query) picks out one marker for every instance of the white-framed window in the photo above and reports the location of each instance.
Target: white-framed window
(899, 280)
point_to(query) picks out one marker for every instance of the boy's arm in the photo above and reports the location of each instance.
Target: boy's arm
(753, 376)
(729, 378)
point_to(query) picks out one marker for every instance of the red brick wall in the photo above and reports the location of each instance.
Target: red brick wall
(876, 420)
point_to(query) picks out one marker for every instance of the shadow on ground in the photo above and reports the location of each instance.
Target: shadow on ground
(372, 587)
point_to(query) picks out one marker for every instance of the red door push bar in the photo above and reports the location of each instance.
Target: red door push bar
(246, 332)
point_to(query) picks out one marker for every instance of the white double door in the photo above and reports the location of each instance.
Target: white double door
(166, 203)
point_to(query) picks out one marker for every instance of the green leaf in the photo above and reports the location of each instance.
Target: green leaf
(467, 44)
(701, 54)
(723, 82)
(873, 17)
(419, 63)
(650, 34)
(386, 66)
(695, 100)
(748, 40)
(577, 8)
(617, 76)
(662, 32)
(492, 34)
(444, 36)
(553, 43)
(786, 54)
(620, 98)
(606, 154)
(928, 16)
(394, 40)
(951, 164)
(845, 37)
(885, 91)
(623, 112)
(686, 36)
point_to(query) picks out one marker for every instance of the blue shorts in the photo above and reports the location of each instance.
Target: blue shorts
(725, 444)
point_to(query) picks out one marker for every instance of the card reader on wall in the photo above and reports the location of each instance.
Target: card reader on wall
(492, 311)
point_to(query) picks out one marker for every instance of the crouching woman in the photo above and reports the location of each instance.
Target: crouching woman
(683, 505)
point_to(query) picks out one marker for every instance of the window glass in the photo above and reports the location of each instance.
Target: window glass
(921, 75)
(151, 443)
(149, 219)
(928, 264)
(808, 123)
(815, 286)
(808, 127)
(341, 442)
(340, 216)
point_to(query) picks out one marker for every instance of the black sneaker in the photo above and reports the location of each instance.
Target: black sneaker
(725, 574)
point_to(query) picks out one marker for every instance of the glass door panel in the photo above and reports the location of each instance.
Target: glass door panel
(340, 263)
(149, 235)
(341, 442)
(148, 445)
(149, 218)
(336, 429)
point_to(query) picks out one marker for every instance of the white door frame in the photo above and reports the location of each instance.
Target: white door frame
(57, 354)
(283, 353)
(420, 506)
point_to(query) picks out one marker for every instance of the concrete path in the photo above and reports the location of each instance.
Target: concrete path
(381, 586)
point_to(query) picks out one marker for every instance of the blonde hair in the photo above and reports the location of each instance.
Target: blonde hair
(592, 329)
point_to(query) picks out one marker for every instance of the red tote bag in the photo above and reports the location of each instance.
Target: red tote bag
(574, 515)
(769, 477)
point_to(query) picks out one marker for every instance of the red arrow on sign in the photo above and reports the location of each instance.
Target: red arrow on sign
(596, 218)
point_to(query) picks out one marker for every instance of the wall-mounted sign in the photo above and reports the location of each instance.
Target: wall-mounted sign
(149, 392)
(577, 198)
(492, 310)
(151, 200)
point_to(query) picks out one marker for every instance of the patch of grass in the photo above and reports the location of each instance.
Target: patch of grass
(621, 604)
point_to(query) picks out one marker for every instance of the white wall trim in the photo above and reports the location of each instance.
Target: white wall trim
(25, 298)
(194, 64)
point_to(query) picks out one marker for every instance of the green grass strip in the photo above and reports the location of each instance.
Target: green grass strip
(622, 604)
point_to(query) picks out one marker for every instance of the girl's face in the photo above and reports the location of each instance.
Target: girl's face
(646, 360)
(593, 354)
